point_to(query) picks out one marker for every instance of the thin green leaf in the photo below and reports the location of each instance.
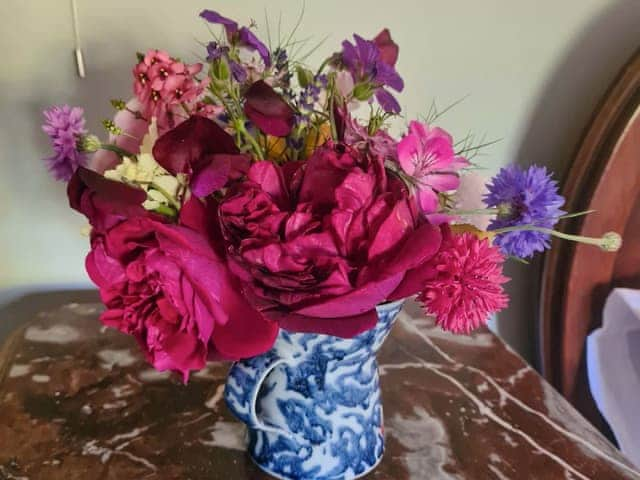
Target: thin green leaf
(577, 214)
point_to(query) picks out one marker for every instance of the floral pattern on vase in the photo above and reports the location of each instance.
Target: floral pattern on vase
(312, 403)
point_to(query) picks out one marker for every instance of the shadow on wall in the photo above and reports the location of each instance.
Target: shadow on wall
(566, 104)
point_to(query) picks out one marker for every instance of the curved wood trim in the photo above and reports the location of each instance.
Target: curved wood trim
(604, 176)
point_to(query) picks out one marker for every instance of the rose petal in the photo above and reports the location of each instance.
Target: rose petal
(356, 302)
(344, 327)
(269, 176)
(268, 110)
(248, 332)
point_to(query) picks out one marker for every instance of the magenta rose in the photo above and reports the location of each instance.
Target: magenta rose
(318, 246)
(164, 284)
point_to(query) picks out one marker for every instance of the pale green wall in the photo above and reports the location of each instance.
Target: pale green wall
(532, 69)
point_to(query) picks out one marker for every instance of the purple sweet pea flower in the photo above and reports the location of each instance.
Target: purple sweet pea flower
(527, 197)
(243, 36)
(366, 64)
(248, 39)
(229, 25)
(65, 127)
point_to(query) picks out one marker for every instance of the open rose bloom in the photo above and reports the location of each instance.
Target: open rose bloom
(242, 196)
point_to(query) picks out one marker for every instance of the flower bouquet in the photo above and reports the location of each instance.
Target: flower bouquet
(242, 210)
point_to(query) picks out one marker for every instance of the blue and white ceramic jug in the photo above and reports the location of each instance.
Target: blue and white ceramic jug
(312, 403)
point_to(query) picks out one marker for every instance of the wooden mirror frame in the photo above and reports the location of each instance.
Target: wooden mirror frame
(576, 279)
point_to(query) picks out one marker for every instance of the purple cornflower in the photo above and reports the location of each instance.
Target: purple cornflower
(523, 197)
(65, 127)
(364, 61)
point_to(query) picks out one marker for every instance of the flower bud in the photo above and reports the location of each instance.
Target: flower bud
(111, 127)
(362, 91)
(89, 143)
(219, 70)
(305, 76)
(504, 210)
(118, 104)
(611, 242)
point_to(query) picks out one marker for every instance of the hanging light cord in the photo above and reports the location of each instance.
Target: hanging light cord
(76, 37)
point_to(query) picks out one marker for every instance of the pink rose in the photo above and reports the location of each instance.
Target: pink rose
(319, 247)
(164, 283)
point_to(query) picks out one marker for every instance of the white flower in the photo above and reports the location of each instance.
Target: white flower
(162, 188)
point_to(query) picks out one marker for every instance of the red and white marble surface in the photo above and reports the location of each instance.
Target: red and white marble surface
(77, 401)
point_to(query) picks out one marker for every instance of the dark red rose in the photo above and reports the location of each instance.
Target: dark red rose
(164, 283)
(104, 202)
(319, 249)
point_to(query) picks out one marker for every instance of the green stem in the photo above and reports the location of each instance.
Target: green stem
(174, 203)
(597, 241)
(165, 210)
(249, 138)
(116, 149)
(480, 211)
(332, 118)
(323, 64)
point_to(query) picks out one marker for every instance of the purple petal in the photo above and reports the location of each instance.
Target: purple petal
(238, 71)
(248, 38)
(387, 76)
(367, 51)
(214, 17)
(349, 55)
(387, 101)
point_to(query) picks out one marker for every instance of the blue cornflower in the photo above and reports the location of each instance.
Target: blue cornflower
(524, 197)
(65, 127)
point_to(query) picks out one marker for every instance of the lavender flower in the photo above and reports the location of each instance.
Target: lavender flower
(65, 127)
(523, 197)
(310, 95)
(368, 69)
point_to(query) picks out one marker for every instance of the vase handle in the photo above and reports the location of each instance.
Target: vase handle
(243, 386)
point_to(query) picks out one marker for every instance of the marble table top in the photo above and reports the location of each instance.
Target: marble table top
(77, 401)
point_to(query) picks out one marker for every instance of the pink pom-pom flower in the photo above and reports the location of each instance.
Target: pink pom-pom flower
(467, 287)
